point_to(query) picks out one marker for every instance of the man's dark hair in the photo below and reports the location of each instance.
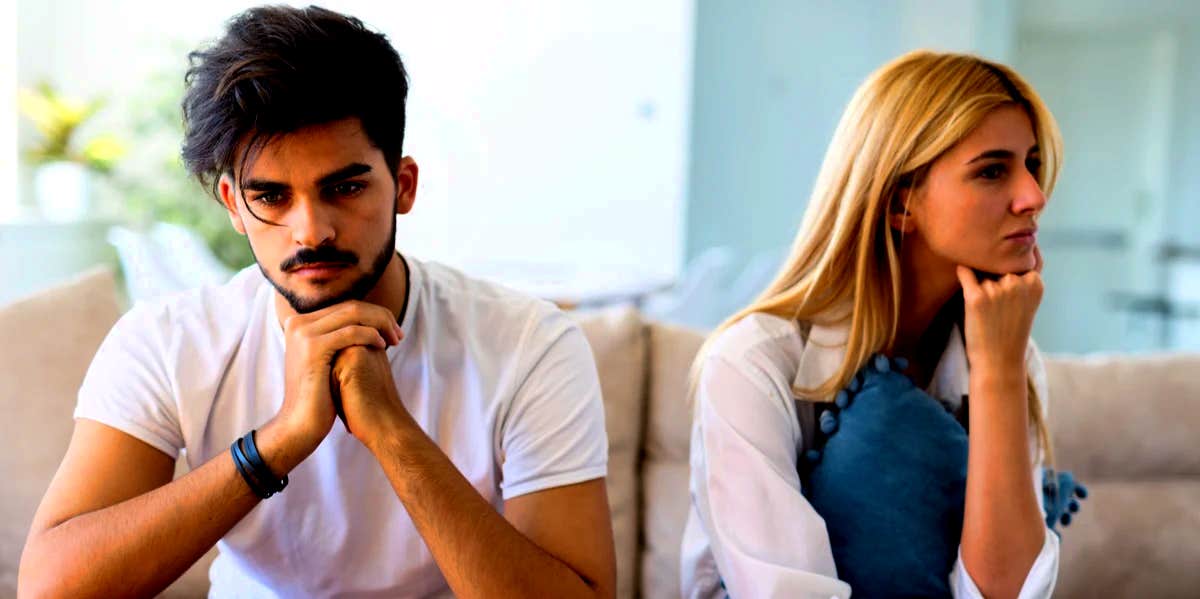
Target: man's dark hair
(279, 69)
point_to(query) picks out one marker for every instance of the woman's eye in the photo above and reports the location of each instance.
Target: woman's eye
(993, 171)
(1034, 165)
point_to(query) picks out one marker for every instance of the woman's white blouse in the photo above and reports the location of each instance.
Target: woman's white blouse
(749, 526)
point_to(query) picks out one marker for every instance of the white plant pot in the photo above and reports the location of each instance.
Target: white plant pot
(63, 191)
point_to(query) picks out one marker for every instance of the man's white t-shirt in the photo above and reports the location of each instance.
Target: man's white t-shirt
(505, 384)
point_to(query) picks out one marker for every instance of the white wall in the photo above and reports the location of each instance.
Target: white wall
(1132, 166)
(1183, 277)
(1110, 93)
(986, 27)
(772, 79)
(546, 131)
(8, 111)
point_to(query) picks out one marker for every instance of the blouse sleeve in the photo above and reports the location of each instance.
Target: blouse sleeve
(766, 539)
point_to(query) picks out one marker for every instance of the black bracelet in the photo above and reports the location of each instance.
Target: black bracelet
(253, 469)
(243, 468)
(261, 470)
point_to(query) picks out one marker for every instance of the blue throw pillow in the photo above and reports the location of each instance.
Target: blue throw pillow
(1061, 495)
(888, 473)
(889, 477)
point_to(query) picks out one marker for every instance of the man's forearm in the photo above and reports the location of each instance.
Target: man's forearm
(1002, 530)
(478, 551)
(138, 546)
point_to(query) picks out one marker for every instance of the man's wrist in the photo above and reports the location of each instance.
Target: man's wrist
(392, 430)
(282, 448)
(399, 440)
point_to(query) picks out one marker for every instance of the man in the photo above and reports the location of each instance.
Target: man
(357, 422)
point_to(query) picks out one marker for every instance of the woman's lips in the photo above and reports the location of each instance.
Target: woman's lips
(1026, 238)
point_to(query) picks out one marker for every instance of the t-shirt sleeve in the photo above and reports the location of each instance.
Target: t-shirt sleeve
(553, 433)
(127, 385)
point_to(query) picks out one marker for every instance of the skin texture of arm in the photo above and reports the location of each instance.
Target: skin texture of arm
(114, 524)
(1003, 531)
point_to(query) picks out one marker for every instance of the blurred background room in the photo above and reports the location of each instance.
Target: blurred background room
(654, 153)
(659, 153)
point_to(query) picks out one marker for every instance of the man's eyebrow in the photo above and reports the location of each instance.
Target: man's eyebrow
(350, 170)
(264, 185)
(1000, 154)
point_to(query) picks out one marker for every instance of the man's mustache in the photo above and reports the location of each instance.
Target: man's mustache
(325, 254)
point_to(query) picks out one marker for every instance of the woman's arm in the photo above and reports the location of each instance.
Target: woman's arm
(1003, 531)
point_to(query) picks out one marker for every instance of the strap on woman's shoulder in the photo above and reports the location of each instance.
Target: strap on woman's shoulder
(806, 413)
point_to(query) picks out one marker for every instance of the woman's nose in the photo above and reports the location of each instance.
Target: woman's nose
(1028, 197)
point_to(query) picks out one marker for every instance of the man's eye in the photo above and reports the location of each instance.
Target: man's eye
(993, 171)
(347, 188)
(268, 199)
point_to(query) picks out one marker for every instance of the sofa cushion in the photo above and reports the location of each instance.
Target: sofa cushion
(59, 330)
(665, 497)
(1133, 539)
(618, 343)
(1126, 416)
(49, 340)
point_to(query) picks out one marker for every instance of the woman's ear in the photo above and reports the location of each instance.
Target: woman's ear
(899, 216)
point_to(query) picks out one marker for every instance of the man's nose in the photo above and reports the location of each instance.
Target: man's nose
(310, 222)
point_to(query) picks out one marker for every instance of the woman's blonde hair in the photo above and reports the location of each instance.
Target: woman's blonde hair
(900, 120)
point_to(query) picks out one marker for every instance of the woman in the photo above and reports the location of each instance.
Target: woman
(919, 244)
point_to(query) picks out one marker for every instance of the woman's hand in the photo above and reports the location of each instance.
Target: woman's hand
(999, 317)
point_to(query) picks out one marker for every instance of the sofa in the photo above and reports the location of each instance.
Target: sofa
(1127, 425)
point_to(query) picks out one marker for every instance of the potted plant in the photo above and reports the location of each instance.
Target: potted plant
(155, 186)
(61, 178)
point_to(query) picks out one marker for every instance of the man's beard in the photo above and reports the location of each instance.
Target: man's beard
(357, 290)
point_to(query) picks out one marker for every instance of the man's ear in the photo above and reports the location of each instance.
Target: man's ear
(229, 199)
(406, 185)
(899, 215)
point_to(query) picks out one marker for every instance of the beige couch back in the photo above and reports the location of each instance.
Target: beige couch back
(1126, 425)
(46, 344)
(42, 341)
